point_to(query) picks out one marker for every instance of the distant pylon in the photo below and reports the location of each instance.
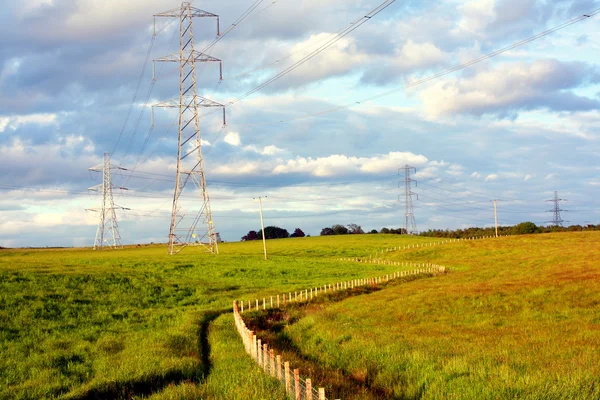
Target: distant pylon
(107, 233)
(557, 219)
(409, 224)
(200, 229)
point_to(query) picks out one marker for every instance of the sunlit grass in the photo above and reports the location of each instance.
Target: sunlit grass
(78, 323)
(516, 317)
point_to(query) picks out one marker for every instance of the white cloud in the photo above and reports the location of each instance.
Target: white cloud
(491, 177)
(418, 55)
(16, 121)
(528, 177)
(336, 165)
(550, 176)
(510, 87)
(476, 175)
(339, 59)
(456, 170)
(476, 15)
(269, 150)
(232, 138)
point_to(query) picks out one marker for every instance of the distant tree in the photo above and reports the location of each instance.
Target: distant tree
(355, 229)
(297, 233)
(252, 235)
(274, 232)
(327, 231)
(373, 231)
(384, 230)
(525, 228)
(339, 229)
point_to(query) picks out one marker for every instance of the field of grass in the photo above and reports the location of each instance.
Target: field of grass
(133, 323)
(516, 317)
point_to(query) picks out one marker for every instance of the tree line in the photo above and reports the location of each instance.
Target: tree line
(272, 232)
(523, 228)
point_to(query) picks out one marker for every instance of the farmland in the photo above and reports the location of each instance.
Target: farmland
(78, 323)
(515, 317)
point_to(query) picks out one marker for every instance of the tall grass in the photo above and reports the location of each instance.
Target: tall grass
(77, 323)
(517, 317)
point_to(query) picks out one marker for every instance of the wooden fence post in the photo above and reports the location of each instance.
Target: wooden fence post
(253, 345)
(242, 304)
(271, 301)
(297, 384)
(321, 393)
(272, 356)
(266, 357)
(259, 352)
(278, 362)
(264, 304)
(308, 388)
(278, 301)
(288, 382)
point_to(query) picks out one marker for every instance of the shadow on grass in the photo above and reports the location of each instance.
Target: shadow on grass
(269, 325)
(147, 385)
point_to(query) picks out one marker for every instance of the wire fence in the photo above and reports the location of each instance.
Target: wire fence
(419, 245)
(297, 387)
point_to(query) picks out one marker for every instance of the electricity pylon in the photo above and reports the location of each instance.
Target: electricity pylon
(200, 230)
(409, 224)
(107, 233)
(557, 219)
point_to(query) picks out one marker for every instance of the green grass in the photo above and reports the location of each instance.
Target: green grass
(517, 317)
(77, 323)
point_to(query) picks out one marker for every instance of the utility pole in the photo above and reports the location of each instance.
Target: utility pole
(557, 219)
(262, 225)
(409, 224)
(108, 229)
(200, 229)
(495, 216)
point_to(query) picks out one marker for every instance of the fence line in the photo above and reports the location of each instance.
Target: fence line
(308, 294)
(295, 386)
(418, 245)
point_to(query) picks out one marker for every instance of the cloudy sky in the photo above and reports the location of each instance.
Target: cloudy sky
(74, 84)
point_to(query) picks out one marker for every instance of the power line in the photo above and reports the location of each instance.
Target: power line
(440, 74)
(346, 31)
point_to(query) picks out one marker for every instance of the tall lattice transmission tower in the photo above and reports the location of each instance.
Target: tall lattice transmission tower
(409, 224)
(199, 229)
(557, 219)
(107, 234)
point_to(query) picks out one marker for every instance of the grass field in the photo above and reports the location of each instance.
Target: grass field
(516, 317)
(77, 323)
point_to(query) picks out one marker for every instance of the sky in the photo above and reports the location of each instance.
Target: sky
(76, 81)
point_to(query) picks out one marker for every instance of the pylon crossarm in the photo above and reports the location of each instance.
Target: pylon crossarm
(193, 12)
(188, 55)
(187, 102)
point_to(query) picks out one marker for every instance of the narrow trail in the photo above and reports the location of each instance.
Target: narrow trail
(156, 383)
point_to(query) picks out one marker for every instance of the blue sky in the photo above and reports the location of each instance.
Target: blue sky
(516, 127)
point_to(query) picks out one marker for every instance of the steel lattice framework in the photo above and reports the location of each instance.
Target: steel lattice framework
(557, 219)
(408, 224)
(190, 163)
(107, 233)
